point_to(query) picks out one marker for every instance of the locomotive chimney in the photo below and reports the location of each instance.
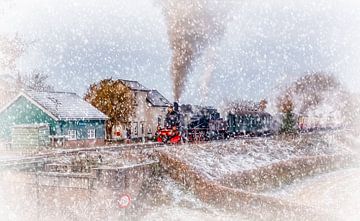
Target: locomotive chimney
(176, 106)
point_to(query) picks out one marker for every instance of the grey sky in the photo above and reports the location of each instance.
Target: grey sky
(265, 44)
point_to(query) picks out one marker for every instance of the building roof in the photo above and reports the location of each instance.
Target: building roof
(30, 126)
(157, 99)
(62, 105)
(258, 113)
(134, 85)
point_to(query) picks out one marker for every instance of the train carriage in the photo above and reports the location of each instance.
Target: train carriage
(252, 123)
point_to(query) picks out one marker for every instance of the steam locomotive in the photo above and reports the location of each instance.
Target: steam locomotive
(194, 123)
(203, 123)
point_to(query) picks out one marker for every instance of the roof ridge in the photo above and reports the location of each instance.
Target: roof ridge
(52, 92)
(134, 85)
(128, 80)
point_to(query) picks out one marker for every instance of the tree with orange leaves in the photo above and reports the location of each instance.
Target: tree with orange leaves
(114, 99)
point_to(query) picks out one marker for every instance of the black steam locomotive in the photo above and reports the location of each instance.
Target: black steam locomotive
(198, 123)
(203, 123)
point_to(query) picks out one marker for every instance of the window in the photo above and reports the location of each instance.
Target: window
(135, 129)
(135, 98)
(142, 128)
(91, 133)
(71, 134)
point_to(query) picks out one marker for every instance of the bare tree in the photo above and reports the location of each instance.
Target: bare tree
(304, 95)
(11, 49)
(245, 105)
(307, 92)
(36, 81)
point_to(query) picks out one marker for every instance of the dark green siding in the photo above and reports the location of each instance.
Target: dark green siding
(248, 123)
(82, 128)
(30, 137)
(23, 111)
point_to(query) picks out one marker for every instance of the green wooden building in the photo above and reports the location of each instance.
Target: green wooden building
(71, 120)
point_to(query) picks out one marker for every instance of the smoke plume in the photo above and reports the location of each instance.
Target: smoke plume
(309, 91)
(208, 71)
(193, 25)
(320, 95)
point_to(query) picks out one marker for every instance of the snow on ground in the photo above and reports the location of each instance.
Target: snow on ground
(217, 159)
(169, 213)
(166, 199)
(338, 192)
(171, 201)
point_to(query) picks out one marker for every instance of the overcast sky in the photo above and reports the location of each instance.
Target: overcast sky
(265, 44)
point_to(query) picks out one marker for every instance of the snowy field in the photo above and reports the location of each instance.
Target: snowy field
(338, 192)
(166, 199)
(217, 159)
(171, 201)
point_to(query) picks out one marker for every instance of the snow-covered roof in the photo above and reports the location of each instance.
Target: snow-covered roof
(258, 113)
(134, 85)
(157, 99)
(63, 105)
(30, 125)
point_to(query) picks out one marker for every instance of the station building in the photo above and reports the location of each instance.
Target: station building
(65, 119)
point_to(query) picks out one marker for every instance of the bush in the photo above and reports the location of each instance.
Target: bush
(289, 123)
